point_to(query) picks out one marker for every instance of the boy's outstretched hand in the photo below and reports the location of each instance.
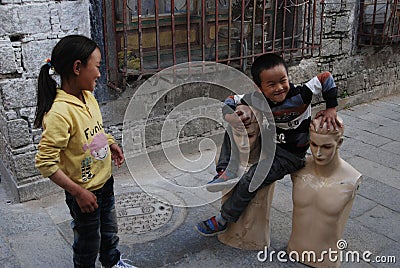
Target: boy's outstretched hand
(116, 155)
(330, 117)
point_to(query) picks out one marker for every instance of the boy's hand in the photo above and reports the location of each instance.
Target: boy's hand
(238, 120)
(330, 117)
(116, 155)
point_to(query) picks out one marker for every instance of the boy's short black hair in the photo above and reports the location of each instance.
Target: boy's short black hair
(265, 62)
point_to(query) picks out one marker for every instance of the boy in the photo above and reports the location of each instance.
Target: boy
(291, 108)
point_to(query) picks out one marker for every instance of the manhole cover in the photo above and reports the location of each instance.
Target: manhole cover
(143, 217)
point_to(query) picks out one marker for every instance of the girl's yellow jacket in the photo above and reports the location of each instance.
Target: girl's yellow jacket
(74, 141)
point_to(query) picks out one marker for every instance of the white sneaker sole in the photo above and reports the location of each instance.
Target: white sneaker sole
(218, 187)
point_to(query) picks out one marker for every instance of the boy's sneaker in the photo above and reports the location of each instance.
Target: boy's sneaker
(210, 227)
(224, 179)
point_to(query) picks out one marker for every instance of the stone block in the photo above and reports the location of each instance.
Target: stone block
(18, 93)
(34, 53)
(303, 72)
(28, 113)
(328, 25)
(37, 135)
(3, 132)
(330, 47)
(25, 149)
(153, 134)
(7, 58)
(8, 20)
(34, 18)
(355, 84)
(332, 6)
(11, 1)
(18, 133)
(113, 112)
(346, 45)
(343, 23)
(24, 167)
(157, 109)
(74, 16)
(11, 114)
(35, 188)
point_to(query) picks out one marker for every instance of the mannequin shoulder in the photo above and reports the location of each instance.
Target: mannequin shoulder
(350, 173)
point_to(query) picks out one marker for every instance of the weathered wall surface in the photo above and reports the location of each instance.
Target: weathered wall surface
(29, 30)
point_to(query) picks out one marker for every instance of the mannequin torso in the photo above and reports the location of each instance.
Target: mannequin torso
(323, 194)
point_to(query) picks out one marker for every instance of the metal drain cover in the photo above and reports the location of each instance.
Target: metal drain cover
(143, 217)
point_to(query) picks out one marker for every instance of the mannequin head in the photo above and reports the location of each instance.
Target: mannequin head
(246, 140)
(324, 143)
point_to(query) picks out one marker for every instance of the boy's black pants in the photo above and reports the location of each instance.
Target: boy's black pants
(283, 163)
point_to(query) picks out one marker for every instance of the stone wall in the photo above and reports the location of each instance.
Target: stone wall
(29, 30)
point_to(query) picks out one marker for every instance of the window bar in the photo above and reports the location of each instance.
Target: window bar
(384, 38)
(360, 33)
(294, 30)
(139, 3)
(373, 24)
(242, 34)
(309, 24)
(125, 38)
(105, 15)
(284, 26)
(263, 27)
(216, 30)
(396, 10)
(275, 21)
(229, 30)
(313, 24)
(203, 29)
(322, 25)
(189, 58)
(253, 36)
(158, 47)
(388, 28)
(393, 23)
(303, 43)
(173, 32)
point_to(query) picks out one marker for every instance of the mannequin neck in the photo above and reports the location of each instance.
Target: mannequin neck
(329, 169)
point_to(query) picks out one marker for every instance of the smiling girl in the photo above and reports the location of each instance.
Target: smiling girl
(65, 113)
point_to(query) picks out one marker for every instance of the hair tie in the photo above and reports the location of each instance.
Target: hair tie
(48, 62)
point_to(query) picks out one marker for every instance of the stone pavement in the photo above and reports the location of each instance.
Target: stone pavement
(157, 234)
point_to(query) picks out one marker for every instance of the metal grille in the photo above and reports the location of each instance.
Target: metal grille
(379, 22)
(145, 36)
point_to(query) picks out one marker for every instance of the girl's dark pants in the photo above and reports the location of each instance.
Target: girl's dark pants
(95, 232)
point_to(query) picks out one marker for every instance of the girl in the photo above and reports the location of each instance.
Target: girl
(72, 124)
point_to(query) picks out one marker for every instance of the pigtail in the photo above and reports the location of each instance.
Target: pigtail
(47, 90)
